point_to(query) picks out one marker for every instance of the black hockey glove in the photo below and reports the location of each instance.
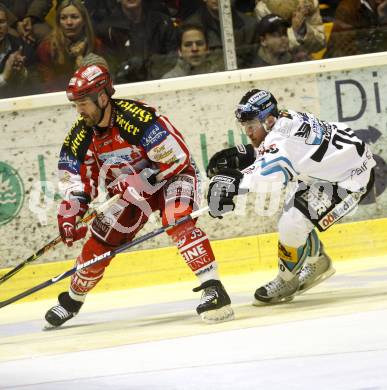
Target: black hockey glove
(221, 191)
(237, 157)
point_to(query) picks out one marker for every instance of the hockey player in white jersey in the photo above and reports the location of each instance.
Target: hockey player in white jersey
(332, 170)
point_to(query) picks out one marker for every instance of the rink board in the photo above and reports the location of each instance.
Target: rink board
(354, 240)
(202, 107)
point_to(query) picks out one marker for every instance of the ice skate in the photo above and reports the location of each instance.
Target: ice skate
(66, 309)
(276, 291)
(315, 271)
(215, 304)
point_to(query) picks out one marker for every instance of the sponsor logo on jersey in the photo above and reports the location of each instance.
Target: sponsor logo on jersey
(340, 210)
(66, 163)
(65, 178)
(119, 156)
(363, 167)
(303, 131)
(316, 135)
(162, 154)
(124, 124)
(136, 111)
(154, 136)
(267, 149)
(317, 201)
(312, 129)
(11, 193)
(74, 142)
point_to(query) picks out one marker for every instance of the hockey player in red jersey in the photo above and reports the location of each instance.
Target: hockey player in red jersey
(331, 171)
(127, 148)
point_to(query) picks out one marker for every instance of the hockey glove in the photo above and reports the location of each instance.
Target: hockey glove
(221, 191)
(143, 182)
(238, 157)
(69, 213)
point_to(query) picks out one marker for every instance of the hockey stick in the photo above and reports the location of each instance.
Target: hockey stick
(102, 257)
(88, 217)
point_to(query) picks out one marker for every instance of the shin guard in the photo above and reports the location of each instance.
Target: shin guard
(194, 246)
(291, 259)
(83, 281)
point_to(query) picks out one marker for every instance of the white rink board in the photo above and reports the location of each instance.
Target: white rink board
(201, 107)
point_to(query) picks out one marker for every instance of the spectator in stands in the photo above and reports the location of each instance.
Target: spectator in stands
(15, 57)
(177, 10)
(244, 29)
(194, 55)
(98, 10)
(306, 29)
(274, 46)
(62, 52)
(138, 41)
(27, 18)
(360, 27)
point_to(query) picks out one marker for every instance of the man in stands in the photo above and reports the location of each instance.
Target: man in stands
(194, 55)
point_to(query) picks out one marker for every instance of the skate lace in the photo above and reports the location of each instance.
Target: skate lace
(275, 285)
(209, 294)
(60, 311)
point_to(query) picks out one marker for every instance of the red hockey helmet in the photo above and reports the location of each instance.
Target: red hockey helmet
(89, 81)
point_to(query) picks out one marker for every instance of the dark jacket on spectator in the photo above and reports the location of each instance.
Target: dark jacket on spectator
(135, 51)
(244, 31)
(19, 9)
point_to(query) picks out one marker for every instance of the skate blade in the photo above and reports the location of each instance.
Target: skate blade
(327, 274)
(258, 302)
(47, 327)
(226, 313)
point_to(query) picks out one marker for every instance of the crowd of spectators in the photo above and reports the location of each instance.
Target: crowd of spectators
(43, 41)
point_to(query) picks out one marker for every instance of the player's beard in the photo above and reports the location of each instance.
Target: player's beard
(92, 119)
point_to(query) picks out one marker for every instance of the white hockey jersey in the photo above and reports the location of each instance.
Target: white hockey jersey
(303, 147)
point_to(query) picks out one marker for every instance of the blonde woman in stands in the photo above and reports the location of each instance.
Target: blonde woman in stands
(70, 41)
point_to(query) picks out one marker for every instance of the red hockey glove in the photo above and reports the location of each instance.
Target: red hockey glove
(143, 182)
(69, 213)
